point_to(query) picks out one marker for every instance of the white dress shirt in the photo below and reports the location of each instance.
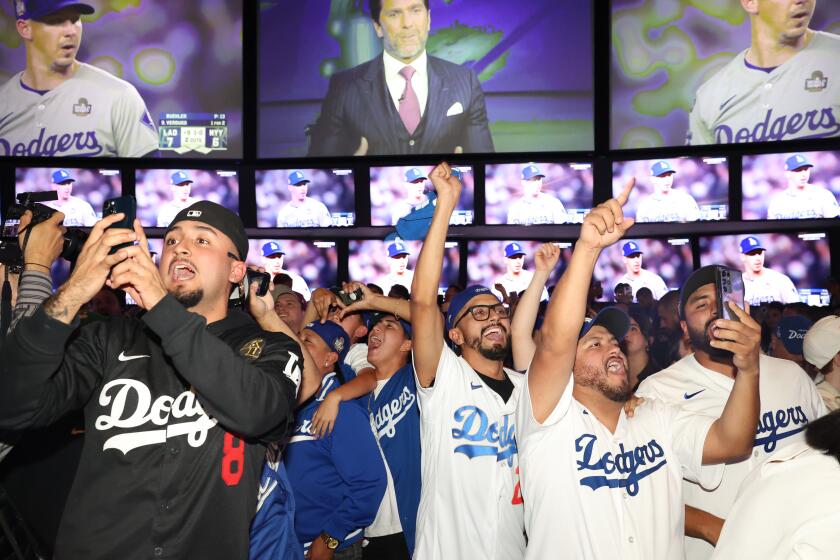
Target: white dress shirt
(396, 83)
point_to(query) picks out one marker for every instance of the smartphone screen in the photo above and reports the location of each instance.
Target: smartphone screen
(730, 286)
(127, 205)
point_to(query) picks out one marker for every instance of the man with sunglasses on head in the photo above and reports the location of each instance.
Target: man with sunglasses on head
(469, 504)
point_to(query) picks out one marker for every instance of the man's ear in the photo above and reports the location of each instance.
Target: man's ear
(750, 6)
(360, 331)
(24, 29)
(456, 336)
(237, 272)
(331, 358)
(684, 327)
(406, 345)
(378, 29)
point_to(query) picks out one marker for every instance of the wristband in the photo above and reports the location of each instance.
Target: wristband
(37, 264)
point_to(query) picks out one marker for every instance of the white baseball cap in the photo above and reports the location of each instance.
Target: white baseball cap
(822, 341)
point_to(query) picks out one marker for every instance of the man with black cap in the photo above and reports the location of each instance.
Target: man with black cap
(705, 383)
(178, 406)
(600, 484)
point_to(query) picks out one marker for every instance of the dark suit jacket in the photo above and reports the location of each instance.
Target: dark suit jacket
(358, 104)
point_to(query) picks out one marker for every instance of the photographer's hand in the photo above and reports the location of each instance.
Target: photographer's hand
(45, 241)
(138, 274)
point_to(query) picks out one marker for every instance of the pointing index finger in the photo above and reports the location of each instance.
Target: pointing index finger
(625, 193)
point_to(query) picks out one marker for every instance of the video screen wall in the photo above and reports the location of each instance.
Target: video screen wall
(484, 87)
(690, 72)
(80, 193)
(659, 264)
(293, 198)
(310, 264)
(162, 193)
(397, 191)
(142, 88)
(387, 263)
(511, 265)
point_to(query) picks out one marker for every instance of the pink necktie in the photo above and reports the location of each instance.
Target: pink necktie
(409, 104)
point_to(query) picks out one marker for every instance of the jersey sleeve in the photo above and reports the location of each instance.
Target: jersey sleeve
(356, 358)
(88, 215)
(527, 425)
(688, 437)
(133, 128)
(446, 375)
(831, 209)
(560, 215)
(788, 290)
(698, 132)
(324, 217)
(692, 209)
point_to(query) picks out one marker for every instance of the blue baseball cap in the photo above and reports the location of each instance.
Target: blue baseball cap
(297, 178)
(631, 248)
(180, 177)
(750, 244)
(414, 174)
(797, 161)
(513, 249)
(36, 9)
(791, 331)
(272, 248)
(615, 320)
(397, 248)
(333, 335)
(374, 318)
(531, 171)
(660, 168)
(62, 176)
(462, 298)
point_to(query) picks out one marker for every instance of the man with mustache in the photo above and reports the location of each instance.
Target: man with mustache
(596, 483)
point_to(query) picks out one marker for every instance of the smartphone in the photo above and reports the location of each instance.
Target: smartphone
(127, 205)
(348, 299)
(240, 294)
(730, 287)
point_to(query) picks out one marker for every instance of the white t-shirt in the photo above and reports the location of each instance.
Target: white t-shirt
(770, 286)
(677, 206)
(77, 212)
(812, 202)
(169, 210)
(545, 209)
(787, 509)
(356, 358)
(646, 279)
(789, 400)
(311, 213)
(387, 520)
(469, 507)
(592, 494)
(387, 282)
(516, 284)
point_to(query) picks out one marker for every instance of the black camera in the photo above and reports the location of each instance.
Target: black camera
(240, 293)
(348, 299)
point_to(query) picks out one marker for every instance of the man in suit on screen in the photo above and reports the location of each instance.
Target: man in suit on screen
(404, 101)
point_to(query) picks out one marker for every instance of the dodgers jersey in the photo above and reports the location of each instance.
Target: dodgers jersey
(469, 501)
(799, 99)
(646, 279)
(91, 114)
(77, 212)
(811, 202)
(545, 209)
(677, 206)
(770, 286)
(169, 210)
(387, 282)
(592, 494)
(516, 284)
(789, 401)
(311, 213)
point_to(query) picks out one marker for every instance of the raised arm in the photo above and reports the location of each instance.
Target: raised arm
(522, 325)
(324, 418)
(371, 301)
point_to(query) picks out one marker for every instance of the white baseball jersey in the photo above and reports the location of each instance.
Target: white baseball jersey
(91, 114)
(646, 279)
(170, 209)
(387, 282)
(312, 213)
(469, 502)
(799, 99)
(676, 206)
(789, 401)
(811, 202)
(77, 212)
(769, 286)
(516, 284)
(788, 508)
(545, 209)
(592, 494)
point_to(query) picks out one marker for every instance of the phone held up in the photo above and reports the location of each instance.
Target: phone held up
(127, 205)
(729, 284)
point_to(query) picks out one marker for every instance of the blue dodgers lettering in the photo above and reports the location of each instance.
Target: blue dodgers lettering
(82, 144)
(626, 462)
(390, 413)
(822, 123)
(772, 421)
(476, 427)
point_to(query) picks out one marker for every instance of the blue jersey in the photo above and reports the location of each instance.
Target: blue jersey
(273, 527)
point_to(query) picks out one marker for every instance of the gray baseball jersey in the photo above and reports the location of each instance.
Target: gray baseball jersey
(91, 114)
(799, 99)
(312, 213)
(646, 279)
(770, 286)
(545, 209)
(676, 206)
(811, 202)
(169, 210)
(77, 212)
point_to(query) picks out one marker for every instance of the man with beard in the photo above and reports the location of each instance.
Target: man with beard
(179, 406)
(469, 503)
(604, 485)
(705, 382)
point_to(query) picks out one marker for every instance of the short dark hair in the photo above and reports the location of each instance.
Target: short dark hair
(823, 434)
(399, 291)
(376, 8)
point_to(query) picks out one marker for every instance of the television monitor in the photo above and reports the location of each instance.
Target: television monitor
(511, 264)
(487, 83)
(386, 263)
(659, 264)
(80, 191)
(537, 193)
(162, 193)
(684, 189)
(791, 186)
(703, 73)
(396, 191)
(292, 198)
(311, 264)
(785, 267)
(142, 88)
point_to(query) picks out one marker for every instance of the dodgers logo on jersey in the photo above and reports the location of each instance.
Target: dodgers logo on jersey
(82, 144)
(817, 82)
(390, 413)
(630, 465)
(821, 123)
(485, 438)
(772, 421)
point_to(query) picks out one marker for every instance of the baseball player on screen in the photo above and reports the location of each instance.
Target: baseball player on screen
(273, 257)
(415, 194)
(801, 200)
(302, 210)
(666, 204)
(180, 185)
(782, 87)
(535, 206)
(398, 264)
(761, 284)
(636, 276)
(58, 106)
(516, 278)
(77, 212)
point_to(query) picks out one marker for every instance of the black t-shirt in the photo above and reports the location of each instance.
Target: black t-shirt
(504, 387)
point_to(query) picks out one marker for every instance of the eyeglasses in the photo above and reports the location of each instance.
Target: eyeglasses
(482, 312)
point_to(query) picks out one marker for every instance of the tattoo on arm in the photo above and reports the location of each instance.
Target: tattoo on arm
(57, 310)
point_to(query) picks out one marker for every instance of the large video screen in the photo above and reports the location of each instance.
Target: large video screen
(782, 267)
(146, 78)
(510, 264)
(723, 72)
(162, 193)
(537, 193)
(397, 191)
(791, 186)
(79, 192)
(310, 264)
(388, 263)
(293, 198)
(661, 265)
(479, 81)
(684, 189)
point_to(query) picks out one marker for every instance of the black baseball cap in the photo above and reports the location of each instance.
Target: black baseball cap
(614, 319)
(36, 9)
(219, 217)
(698, 279)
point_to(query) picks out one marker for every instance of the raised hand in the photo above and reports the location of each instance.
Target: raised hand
(138, 274)
(546, 257)
(606, 223)
(45, 242)
(742, 338)
(447, 185)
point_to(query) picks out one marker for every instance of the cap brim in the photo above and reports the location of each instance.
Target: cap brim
(84, 9)
(616, 321)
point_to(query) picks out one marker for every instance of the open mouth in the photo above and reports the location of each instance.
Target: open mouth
(616, 366)
(181, 271)
(495, 333)
(374, 342)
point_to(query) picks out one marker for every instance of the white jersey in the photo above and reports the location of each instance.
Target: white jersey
(77, 212)
(312, 213)
(769, 286)
(515, 284)
(469, 502)
(545, 209)
(788, 508)
(91, 114)
(789, 401)
(389, 280)
(170, 209)
(799, 99)
(593, 494)
(811, 202)
(676, 206)
(646, 279)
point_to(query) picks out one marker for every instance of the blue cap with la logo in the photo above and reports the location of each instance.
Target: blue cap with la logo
(397, 249)
(661, 167)
(631, 248)
(797, 161)
(750, 244)
(297, 178)
(62, 176)
(530, 172)
(513, 250)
